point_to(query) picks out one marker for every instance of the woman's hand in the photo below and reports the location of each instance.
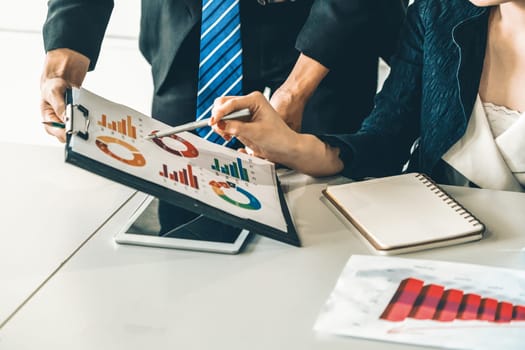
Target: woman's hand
(269, 137)
(266, 134)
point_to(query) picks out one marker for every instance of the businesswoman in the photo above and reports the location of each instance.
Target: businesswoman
(453, 105)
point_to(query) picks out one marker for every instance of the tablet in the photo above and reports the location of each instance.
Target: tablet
(201, 233)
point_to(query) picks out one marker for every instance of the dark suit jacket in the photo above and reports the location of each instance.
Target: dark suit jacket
(346, 36)
(429, 95)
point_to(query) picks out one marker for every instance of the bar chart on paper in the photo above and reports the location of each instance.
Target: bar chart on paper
(123, 126)
(182, 176)
(415, 300)
(234, 169)
(430, 303)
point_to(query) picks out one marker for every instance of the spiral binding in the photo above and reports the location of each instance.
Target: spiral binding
(451, 202)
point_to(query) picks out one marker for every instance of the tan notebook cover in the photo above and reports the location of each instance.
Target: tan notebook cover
(404, 213)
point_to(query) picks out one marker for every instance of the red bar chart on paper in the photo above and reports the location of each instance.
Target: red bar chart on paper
(414, 299)
(440, 304)
(124, 126)
(183, 176)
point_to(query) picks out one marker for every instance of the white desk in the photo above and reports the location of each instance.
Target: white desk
(125, 297)
(48, 209)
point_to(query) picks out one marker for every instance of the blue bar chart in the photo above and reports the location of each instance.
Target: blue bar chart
(234, 169)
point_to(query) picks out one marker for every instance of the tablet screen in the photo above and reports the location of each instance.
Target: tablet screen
(201, 233)
(201, 228)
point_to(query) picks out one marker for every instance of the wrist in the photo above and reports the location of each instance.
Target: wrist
(310, 155)
(289, 148)
(304, 78)
(66, 64)
(295, 151)
(296, 91)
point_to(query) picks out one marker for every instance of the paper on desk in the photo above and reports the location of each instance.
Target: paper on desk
(431, 303)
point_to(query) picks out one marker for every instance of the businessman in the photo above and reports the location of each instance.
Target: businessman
(297, 48)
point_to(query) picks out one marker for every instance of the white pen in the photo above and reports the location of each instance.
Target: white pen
(242, 114)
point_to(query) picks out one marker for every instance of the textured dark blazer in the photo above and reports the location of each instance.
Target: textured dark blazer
(429, 95)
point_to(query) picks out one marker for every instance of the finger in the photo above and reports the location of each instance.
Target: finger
(60, 134)
(230, 128)
(222, 99)
(226, 105)
(233, 127)
(219, 129)
(248, 145)
(53, 93)
(250, 149)
(220, 108)
(48, 114)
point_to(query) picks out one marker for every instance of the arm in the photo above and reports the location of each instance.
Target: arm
(380, 148)
(333, 25)
(291, 97)
(269, 136)
(383, 143)
(73, 33)
(329, 27)
(78, 25)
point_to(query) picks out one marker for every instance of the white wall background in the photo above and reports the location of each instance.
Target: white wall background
(121, 75)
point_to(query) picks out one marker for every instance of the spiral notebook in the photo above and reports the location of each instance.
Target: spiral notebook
(404, 213)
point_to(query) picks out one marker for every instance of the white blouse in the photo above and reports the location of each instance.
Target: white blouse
(500, 118)
(491, 153)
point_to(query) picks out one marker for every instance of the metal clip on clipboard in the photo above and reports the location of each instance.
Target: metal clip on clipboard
(82, 131)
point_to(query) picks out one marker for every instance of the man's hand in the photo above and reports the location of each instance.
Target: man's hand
(291, 97)
(63, 68)
(289, 106)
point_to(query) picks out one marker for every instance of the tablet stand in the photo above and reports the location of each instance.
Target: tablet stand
(203, 228)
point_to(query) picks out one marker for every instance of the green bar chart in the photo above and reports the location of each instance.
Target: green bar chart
(234, 169)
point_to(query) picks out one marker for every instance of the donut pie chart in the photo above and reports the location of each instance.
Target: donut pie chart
(189, 152)
(253, 203)
(137, 159)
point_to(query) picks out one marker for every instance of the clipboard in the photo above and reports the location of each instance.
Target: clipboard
(106, 138)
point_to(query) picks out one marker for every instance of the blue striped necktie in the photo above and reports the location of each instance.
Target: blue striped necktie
(220, 64)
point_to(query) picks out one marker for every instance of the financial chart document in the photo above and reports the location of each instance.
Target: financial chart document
(444, 304)
(239, 184)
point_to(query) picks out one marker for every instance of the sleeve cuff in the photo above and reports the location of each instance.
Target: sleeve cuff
(346, 152)
(78, 26)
